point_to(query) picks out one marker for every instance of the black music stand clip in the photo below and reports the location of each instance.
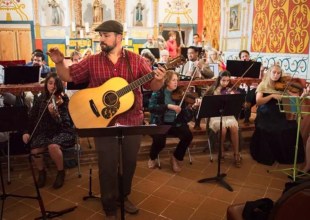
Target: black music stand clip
(220, 105)
(119, 132)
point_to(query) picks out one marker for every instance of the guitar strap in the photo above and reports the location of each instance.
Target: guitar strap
(129, 67)
(128, 63)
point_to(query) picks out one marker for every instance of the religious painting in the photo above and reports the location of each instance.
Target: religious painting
(234, 17)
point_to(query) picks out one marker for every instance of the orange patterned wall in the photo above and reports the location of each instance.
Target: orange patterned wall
(281, 26)
(211, 22)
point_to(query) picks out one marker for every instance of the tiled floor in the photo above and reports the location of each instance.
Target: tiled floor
(159, 193)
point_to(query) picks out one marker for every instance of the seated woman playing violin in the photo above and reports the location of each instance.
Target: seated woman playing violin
(274, 137)
(165, 110)
(221, 87)
(53, 131)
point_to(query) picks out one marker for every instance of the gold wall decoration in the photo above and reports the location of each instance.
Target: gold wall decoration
(155, 12)
(211, 23)
(78, 12)
(120, 10)
(178, 8)
(36, 19)
(10, 6)
(281, 26)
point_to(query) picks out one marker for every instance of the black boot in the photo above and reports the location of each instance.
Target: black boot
(247, 114)
(42, 178)
(60, 178)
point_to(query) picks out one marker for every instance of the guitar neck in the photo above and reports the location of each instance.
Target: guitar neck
(135, 84)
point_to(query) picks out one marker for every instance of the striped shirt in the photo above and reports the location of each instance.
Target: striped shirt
(98, 68)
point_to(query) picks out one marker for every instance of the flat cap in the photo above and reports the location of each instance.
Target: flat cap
(110, 26)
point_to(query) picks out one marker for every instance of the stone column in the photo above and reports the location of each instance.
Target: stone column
(36, 20)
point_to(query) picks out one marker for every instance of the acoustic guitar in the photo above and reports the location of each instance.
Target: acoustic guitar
(97, 107)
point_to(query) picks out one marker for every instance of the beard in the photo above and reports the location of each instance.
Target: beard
(106, 48)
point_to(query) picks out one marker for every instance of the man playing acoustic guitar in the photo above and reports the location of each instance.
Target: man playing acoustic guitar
(113, 61)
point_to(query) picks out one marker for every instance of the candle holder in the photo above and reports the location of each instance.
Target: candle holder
(67, 50)
(74, 34)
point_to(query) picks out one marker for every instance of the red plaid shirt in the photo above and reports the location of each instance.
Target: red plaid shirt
(98, 68)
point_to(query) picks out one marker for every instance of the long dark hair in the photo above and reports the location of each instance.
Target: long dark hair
(58, 84)
(218, 81)
(221, 75)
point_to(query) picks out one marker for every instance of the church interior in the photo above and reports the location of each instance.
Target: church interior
(272, 33)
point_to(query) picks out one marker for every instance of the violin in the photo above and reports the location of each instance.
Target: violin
(227, 90)
(57, 100)
(180, 93)
(288, 83)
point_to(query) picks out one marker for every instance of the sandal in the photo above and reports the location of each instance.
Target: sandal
(237, 160)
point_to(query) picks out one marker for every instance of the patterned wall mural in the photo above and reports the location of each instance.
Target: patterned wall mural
(281, 26)
(11, 10)
(211, 22)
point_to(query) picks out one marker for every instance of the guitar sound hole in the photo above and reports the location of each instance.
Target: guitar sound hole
(110, 99)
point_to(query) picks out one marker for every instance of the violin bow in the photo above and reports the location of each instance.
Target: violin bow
(188, 85)
(38, 122)
(305, 95)
(247, 70)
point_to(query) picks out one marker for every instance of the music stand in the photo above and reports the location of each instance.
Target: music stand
(293, 104)
(73, 86)
(13, 125)
(21, 74)
(214, 106)
(238, 68)
(119, 132)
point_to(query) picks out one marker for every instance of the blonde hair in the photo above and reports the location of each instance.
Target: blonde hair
(266, 84)
(210, 60)
(172, 33)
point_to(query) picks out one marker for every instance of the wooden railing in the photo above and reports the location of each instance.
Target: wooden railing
(19, 88)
